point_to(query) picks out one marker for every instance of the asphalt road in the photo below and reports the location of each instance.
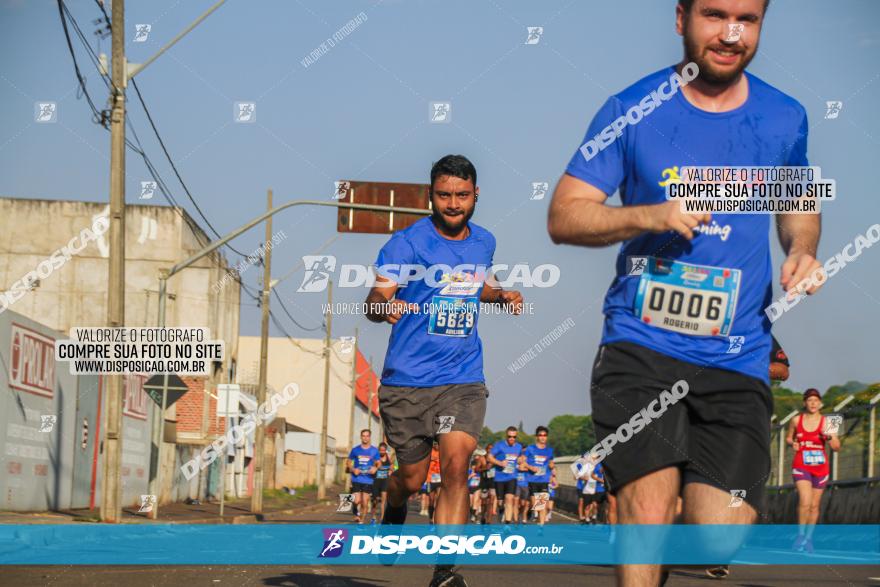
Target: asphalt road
(408, 576)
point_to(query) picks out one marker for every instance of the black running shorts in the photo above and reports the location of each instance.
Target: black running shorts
(361, 487)
(538, 488)
(380, 485)
(718, 433)
(503, 488)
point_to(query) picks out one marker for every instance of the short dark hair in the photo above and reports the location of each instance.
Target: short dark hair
(456, 166)
(512, 429)
(367, 430)
(687, 4)
(381, 444)
(540, 429)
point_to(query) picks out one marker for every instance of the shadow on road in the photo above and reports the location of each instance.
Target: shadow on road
(316, 580)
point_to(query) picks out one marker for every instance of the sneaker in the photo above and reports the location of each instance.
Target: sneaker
(445, 576)
(549, 516)
(720, 572)
(424, 513)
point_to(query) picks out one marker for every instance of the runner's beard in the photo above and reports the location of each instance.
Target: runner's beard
(709, 73)
(442, 220)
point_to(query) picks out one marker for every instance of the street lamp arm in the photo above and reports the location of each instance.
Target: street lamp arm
(220, 242)
(136, 68)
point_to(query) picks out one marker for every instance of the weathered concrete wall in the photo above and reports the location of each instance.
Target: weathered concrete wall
(75, 293)
(62, 290)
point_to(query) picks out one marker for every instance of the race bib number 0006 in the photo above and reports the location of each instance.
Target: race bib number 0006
(686, 298)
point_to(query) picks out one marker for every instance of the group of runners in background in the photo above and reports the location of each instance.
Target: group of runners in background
(510, 481)
(516, 483)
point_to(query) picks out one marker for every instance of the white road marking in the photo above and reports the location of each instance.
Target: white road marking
(558, 513)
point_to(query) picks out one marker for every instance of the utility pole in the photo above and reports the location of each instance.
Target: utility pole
(111, 495)
(260, 435)
(354, 378)
(122, 71)
(370, 405)
(322, 458)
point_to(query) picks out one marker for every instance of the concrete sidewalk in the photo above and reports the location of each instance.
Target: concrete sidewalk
(235, 511)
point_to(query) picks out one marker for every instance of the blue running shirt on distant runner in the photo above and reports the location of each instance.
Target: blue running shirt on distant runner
(539, 457)
(507, 454)
(438, 347)
(384, 469)
(769, 129)
(599, 471)
(364, 459)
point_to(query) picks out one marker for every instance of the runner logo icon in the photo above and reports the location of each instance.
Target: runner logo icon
(637, 265)
(318, 270)
(736, 344)
(446, 423)
(334, 540)
(736, 498)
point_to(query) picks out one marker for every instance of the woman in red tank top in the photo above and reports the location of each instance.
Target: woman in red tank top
(808, 434)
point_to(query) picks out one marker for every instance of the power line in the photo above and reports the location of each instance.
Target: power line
(99, 118)
(137, 147)
(174, 167)
(283, 307)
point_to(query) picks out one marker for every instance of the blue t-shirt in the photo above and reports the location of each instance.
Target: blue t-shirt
(364, 459)
(439, 345)
(769, 129)
(521, 480)
(539, 457)
(599, 472)
(507, 454)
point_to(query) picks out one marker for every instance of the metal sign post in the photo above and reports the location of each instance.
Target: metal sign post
(161, 388)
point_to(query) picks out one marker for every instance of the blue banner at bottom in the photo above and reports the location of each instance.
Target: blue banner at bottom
(313, 544)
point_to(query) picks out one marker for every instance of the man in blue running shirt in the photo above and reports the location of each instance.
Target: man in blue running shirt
(430, 281)
(363, 462)
(504, 457)
(688, 287)
(539, 458)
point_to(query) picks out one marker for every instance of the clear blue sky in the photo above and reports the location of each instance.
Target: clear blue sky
(518, 111)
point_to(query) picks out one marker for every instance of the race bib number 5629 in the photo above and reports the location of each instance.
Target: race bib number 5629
(452, 316)
(687, 298)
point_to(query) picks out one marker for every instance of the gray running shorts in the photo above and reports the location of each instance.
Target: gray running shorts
(415, 416)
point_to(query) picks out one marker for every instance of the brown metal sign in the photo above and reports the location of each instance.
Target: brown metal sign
(400, 195)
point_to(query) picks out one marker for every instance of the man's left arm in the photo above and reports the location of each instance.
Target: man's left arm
(493, 293)
(799, 237)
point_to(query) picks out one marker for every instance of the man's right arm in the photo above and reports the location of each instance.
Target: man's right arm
(380, 305)
(578, 216)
